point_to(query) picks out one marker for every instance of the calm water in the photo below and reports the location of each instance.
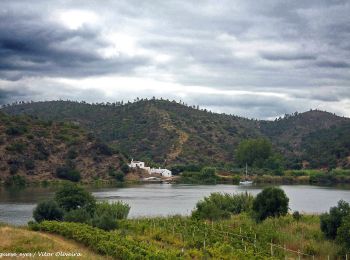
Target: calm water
(16, 206)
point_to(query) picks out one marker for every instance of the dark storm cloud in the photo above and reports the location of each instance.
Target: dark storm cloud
(11, 95)
(31, 46)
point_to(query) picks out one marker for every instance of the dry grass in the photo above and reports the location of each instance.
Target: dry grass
(21, 240)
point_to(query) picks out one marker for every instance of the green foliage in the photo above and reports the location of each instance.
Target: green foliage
(71, 197)
(206, 176)
(327, 147)
(17, 147)
(271, 202)
(125, 168)
(16, 180)
(331, 221)
(107, 214)
(119, 176)
(220, 206)
(253, 152)
(105, 222)
(16, 130)
(296, 215)
(102, 148)
(79, 215)
(47, 210)
(29, 164)
(107, 243)
(118, 210)
(72, 153)
(67, 173)
(343, 233)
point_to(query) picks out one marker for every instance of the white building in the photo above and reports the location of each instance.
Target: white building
(163, 172)
(136, 164)
(141, 165)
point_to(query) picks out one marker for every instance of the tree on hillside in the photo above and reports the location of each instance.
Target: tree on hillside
(254, 152)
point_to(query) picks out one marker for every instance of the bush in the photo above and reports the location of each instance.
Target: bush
(72, 154)
(107, 215)
(71, 197)
(343, 233)
(17, 147)
(102, 148)
(118, 210)
(296, 215)
(125, 168)
(105, 222)
(331, 221)
(271, 202)
(66, 173)
(29, 164)
(15, 181)
(119, 176)
(16, 130)
(219, 206)
(47, 210)
(80, 215)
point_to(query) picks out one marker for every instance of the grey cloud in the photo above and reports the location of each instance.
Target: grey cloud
(39, 48)
(273, 56)
(333, 64)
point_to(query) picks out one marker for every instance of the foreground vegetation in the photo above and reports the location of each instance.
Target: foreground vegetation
(238, 237)
(222, 226)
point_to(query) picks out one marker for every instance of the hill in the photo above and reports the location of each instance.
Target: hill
(164, 132)
(35, 150)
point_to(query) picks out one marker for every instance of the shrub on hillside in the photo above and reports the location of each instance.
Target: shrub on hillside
(16, 130)
(29, 164)
(47, 210)
(66, 173)
(271, 202)
(102, 148)
(125, 168)
(219, 205)
(16, 180)
(331, 221)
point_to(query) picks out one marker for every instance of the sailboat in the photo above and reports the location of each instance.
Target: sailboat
(246, 181)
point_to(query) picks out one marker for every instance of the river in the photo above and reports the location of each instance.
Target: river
(16, 206)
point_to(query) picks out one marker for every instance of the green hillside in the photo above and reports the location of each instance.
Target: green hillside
(169, 133)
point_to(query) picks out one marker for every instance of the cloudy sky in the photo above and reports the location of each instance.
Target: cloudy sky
(257, 59)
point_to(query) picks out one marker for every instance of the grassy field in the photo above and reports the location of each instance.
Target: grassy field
(183, 238)
(22, 240)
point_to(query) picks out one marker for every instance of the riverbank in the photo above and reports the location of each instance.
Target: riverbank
(239, 237)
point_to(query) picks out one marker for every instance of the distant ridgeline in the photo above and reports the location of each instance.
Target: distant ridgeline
(162, 132)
